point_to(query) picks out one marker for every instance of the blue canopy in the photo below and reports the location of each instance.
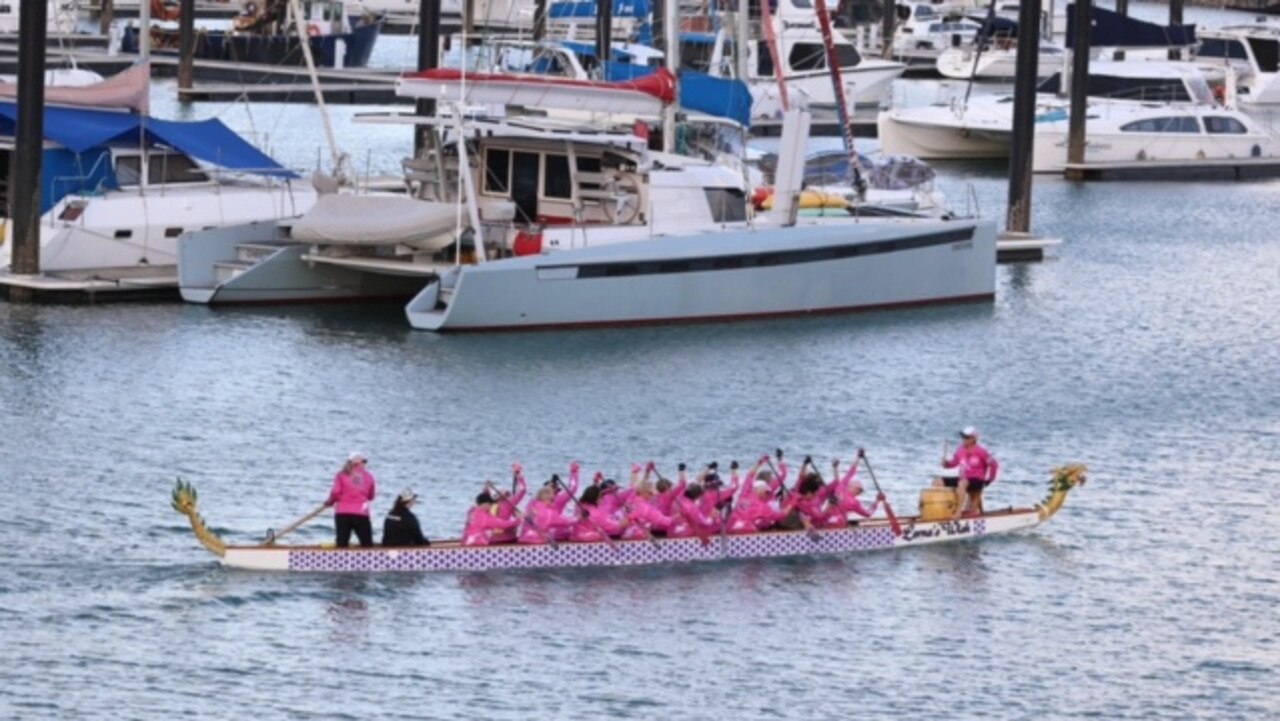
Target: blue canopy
(83, 129)
(581, 9)
(1113, 30)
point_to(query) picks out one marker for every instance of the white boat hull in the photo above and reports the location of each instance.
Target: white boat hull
(824, 267)
(941, 133)
(994, 65)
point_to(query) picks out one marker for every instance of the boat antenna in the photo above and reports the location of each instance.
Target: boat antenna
(340, 158)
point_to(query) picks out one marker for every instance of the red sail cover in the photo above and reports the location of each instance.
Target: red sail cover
(661, 84)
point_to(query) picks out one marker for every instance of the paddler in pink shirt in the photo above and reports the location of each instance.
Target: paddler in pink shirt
(754, 510)
(484, 522)
(690, 519)
(845, 492)
(977, 470)
(545, 517)
(644, 518)
(594, 522)
(507, 507)
(352, 492)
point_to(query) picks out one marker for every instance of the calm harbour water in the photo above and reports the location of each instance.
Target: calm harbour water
(1148, 348)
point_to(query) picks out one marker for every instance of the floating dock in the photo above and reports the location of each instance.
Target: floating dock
(1230, 169)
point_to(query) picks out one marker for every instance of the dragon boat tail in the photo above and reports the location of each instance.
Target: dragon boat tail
(869, 535)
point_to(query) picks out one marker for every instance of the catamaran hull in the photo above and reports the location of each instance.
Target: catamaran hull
(868, 536)
(820, 268)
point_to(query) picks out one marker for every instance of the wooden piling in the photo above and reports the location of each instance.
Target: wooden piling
(659, 24)
(604, 32)
(1080, 43)
(428, 59)
(26, 179)
(539, 20)
(1024, 118)
(186, 47)
(106, 16)
(1175, 18)
(887, 26)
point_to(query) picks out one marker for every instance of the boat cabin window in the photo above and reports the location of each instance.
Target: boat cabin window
(764, 60)
(728, 205)
(555, 177)
(168, 168)
(128, 171)
(813, 56)
(696, 55)
(924, 12)
(1151, 89)
(1162, 125)
(1267, 52)
(497, 171)
(1222, 125)
(1222, 48)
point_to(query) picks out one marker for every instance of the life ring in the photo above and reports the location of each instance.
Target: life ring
(313, 30)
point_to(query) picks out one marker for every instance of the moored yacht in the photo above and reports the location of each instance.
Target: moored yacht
(1252, 52)
(981, 127)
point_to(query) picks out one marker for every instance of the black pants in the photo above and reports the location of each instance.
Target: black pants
(345, 523)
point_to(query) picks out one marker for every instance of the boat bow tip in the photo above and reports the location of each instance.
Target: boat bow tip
(184, 502)
(1064, 479)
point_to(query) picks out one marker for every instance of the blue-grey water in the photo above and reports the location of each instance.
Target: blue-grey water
(1148, 347)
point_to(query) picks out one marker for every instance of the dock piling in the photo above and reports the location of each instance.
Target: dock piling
(26, 181)
(428, 59)
(888, 22)
(539, 20)
(604, 33)
(186, 47)
(1024, 116)
(1081, 41)
(1175, 18)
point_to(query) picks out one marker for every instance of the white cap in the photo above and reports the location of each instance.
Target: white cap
(408, 495)
(354, 456)
(969, 432)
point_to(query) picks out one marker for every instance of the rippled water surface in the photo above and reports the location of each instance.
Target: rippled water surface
(1149, 348)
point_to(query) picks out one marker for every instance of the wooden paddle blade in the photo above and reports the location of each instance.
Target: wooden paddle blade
(893, 519)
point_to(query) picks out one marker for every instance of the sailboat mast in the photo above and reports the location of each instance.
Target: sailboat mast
(842, 108)
(300, 25)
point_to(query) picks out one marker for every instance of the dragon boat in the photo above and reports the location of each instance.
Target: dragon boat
(867, 535)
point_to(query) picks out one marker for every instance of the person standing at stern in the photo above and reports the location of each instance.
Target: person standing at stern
(353, 490)
(977, 470)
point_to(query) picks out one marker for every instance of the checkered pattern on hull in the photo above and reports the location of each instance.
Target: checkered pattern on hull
(627, 553)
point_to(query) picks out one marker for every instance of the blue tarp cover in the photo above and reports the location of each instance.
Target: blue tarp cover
(587, 9)
(82, 129)
(1113, 30)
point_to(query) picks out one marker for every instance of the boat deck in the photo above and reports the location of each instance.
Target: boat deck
(156, 282)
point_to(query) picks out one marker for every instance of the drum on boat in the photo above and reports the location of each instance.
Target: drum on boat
(937, 504)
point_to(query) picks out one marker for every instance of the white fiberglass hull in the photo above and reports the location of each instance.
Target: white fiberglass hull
(992, 64)
(865, 84)
(125, 228)
(819, 268)
(1106, 144)
(945, 133)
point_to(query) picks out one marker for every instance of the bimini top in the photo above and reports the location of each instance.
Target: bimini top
(83, 129)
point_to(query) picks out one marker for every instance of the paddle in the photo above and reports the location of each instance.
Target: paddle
(727, 511)
(272, 536)
(888, 510)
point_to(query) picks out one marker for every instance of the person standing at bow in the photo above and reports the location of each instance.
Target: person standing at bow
(353, 490)
(977, 470)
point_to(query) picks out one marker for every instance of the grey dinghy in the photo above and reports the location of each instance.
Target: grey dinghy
(452, 556)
